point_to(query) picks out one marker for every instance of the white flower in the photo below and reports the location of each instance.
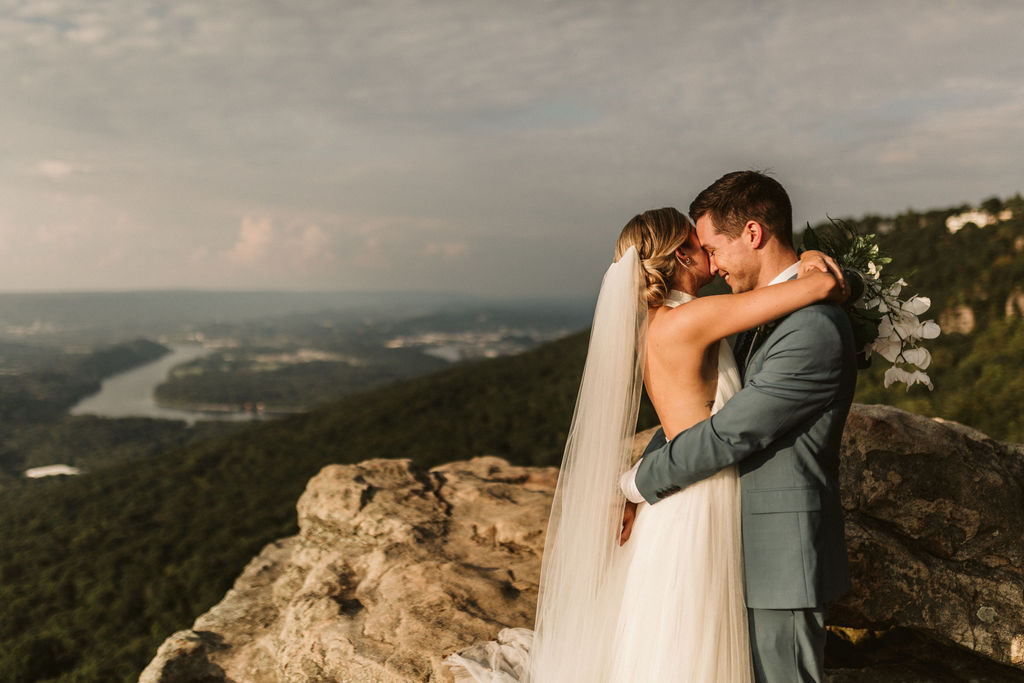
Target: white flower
(895, 288)
(898, 374)
(899, 329)
(930, 329)
(895, 374)
(918, 377)
(888, 349)
(916, 305)
(918, 356)
(902, 324)
(906, 327)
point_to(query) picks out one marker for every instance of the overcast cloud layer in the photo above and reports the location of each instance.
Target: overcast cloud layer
(465, 145)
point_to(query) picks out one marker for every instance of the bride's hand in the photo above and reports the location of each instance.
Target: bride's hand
(628, 517)
(814, 261)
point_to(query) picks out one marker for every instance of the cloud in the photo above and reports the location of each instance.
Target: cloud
(252, 245)
(274, 246)
(55, 169)
(447, 249)
(314, 244)
(363, 136)
(198, 256)
(87, 34)
(64, 236)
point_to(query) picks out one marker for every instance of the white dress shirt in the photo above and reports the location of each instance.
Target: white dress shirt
(787, 274)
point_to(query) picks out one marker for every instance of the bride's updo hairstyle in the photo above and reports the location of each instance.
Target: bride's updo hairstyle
(656, 234)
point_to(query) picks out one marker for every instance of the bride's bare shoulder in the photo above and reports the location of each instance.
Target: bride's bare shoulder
(671, 322)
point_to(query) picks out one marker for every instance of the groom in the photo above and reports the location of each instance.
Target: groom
(783, 430)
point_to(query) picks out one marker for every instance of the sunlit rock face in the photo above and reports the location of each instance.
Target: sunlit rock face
(396, 566)
(1015, 303)
(959, 319)
(935, 529)
(52, 471)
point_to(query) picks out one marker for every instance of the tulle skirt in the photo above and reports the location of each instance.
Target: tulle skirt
(683, 616)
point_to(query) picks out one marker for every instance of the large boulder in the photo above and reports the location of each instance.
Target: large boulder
(935, 530)
(395, 566)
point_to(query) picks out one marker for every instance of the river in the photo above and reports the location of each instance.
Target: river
(130, 393)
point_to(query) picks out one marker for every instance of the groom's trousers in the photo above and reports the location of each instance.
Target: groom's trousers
(788, 645)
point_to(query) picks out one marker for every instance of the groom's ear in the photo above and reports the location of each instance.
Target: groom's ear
(754, 234)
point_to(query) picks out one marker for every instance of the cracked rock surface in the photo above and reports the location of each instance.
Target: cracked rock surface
(935, 531)
(395, 566)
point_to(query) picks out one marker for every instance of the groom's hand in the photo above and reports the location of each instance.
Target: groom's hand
(628, 517)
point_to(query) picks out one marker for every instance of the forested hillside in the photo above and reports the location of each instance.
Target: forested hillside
(96, 570)
(39, 384)
(974, 278)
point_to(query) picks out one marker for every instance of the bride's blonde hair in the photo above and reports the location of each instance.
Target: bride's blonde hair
(656, 234)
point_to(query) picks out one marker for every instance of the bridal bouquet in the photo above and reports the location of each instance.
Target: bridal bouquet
(883, 322)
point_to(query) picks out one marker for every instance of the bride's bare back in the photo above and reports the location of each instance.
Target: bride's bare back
(681, 375)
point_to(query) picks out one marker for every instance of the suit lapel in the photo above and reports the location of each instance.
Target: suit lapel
(748, 342)
(741, 351)
(761, 333)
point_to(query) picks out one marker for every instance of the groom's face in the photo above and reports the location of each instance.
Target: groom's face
(728, 257)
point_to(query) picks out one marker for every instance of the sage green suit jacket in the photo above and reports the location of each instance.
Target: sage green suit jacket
(783, 429)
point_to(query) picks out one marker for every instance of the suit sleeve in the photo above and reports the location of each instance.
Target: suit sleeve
(799, 378)
(657, 441)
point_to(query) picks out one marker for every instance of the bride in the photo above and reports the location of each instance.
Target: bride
(646, 593)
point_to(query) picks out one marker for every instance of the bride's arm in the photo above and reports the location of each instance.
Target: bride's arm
(808, 365)
(708, 319)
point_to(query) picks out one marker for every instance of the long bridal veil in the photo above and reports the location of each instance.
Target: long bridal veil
(582, 571)
(669, 604)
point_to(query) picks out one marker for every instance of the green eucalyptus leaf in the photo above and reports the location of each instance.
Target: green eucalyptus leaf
(864, 332)
(811, 240)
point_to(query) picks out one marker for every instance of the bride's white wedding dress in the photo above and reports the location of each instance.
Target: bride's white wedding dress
(679, 614)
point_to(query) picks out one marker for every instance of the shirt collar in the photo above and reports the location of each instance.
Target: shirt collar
(787, 274)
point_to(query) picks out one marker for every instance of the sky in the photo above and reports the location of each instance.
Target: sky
(487, 147)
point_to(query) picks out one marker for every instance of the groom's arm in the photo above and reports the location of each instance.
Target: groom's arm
(800, 377)
(627, 482)
(657, 441)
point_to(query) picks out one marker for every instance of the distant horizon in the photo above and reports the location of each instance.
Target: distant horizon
(798, 229)
(311, 292)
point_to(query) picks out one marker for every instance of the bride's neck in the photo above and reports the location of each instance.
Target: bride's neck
(685, 282)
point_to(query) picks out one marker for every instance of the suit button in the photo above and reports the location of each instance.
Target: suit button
(667, 491)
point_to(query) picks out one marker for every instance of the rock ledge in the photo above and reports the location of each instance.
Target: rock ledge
(395, 566)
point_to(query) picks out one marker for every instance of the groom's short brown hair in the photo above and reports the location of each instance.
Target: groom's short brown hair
(743, 196)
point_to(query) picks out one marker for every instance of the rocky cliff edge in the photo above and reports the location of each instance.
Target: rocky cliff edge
(395, 566)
